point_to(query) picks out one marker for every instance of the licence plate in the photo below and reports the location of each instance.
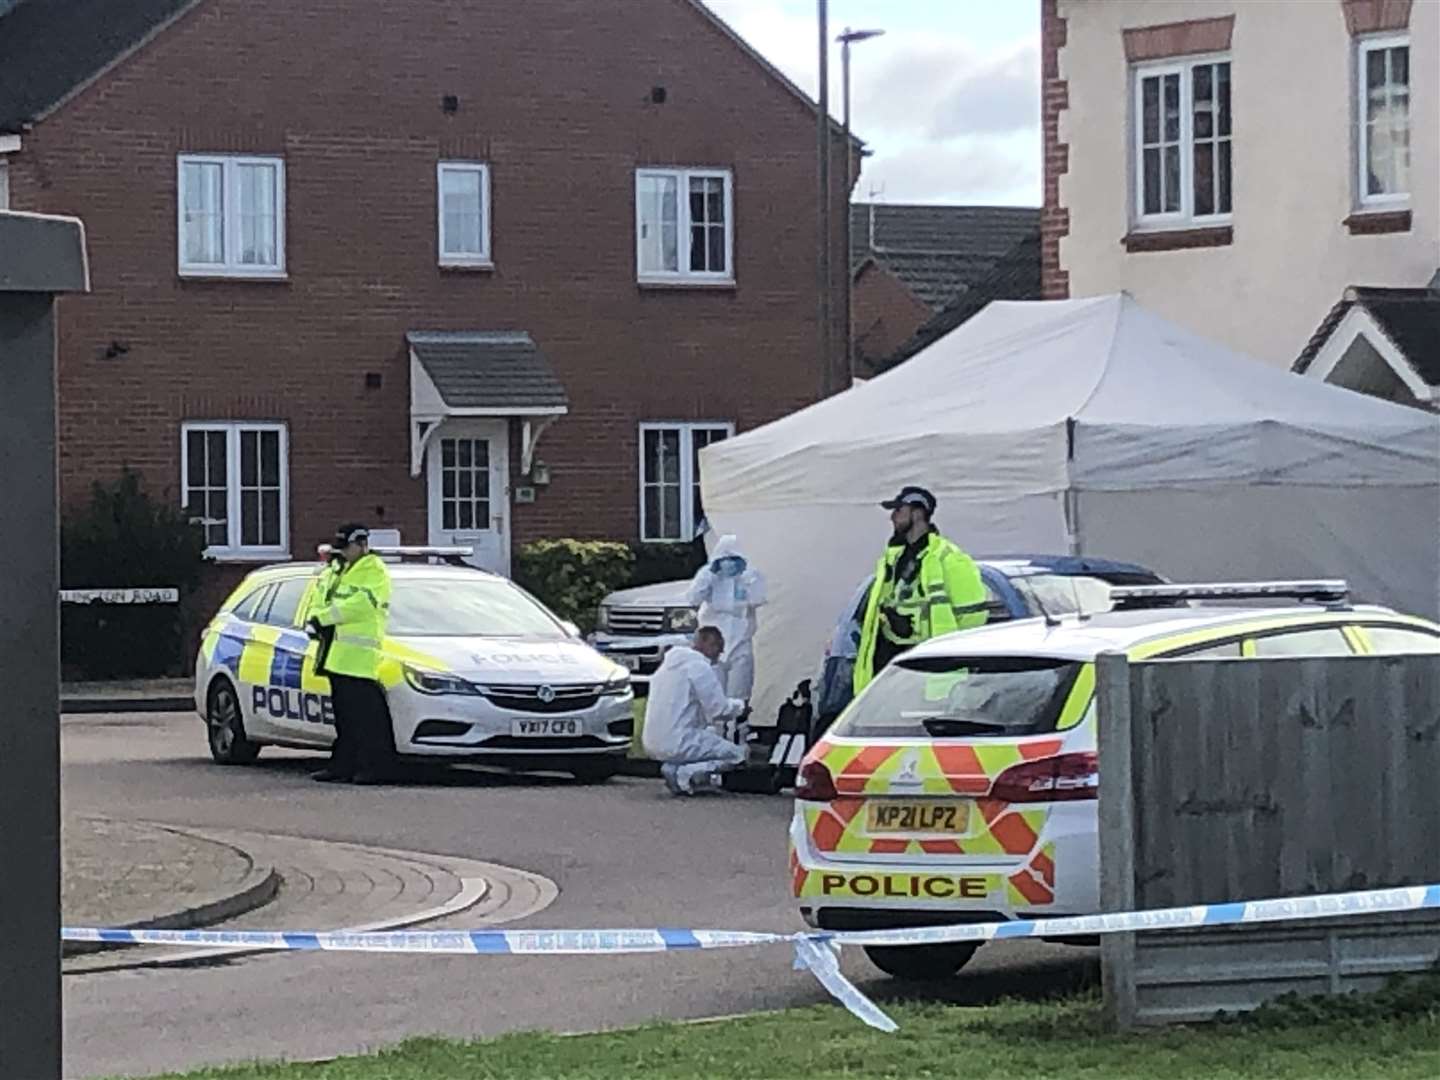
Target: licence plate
(916, 816)
(546, 728)
(626, 661)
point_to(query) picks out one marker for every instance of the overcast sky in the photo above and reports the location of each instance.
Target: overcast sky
(948, 99)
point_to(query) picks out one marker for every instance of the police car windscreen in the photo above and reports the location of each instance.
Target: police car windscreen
(444, 607)
(958, 697)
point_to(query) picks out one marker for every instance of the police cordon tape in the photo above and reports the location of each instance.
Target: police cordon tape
(815, 951)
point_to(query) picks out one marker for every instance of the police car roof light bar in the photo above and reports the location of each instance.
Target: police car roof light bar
(452, 555)
(1334, 591)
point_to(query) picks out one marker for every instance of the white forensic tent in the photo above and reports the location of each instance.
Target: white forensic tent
(1091, 426)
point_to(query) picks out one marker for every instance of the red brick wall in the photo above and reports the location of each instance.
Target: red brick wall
(1054, 218)
(556, 96)
(1370, 16)
(886, 315)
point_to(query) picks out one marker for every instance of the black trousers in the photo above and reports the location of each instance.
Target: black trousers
(363, 739)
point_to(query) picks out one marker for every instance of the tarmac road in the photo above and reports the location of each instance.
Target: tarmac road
(622, 854)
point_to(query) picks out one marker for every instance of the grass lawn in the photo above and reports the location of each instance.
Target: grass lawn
(1394, 1036)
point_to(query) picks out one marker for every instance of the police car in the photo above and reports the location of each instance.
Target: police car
(962, 785)
(474, 669)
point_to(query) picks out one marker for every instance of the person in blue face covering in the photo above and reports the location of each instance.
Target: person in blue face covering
(728, 590)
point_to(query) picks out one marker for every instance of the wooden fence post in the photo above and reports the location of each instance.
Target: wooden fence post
(1117, 833)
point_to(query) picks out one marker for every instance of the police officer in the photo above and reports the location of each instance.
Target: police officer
(924, 586)
(349, 609)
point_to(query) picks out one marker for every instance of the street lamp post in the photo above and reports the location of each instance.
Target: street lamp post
(846, 38)
(824, 273)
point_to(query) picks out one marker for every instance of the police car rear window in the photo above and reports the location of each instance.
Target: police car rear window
(958, 697)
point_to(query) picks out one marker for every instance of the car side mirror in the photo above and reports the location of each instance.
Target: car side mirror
(570, 628)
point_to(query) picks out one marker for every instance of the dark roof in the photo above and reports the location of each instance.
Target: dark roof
(495, 370)
(1409, 318)
(937, 251)
(50, 48)
(1014, 277)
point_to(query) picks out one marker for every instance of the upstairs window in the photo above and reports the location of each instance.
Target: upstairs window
(464, 197)
(1383, 119)
(1182, 143)
(232, 216)
(684, 230)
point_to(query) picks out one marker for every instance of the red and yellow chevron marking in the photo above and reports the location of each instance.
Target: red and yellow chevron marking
(1035, 884)
(941, 769)
(798, 874)
(997, 828)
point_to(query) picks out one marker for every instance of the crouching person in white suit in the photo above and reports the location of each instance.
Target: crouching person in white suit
(685, 713)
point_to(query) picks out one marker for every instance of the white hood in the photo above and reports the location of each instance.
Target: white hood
(727, 547)
(559, 661)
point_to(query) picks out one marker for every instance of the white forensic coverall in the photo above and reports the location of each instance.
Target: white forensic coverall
(728, 590)
(685, 708)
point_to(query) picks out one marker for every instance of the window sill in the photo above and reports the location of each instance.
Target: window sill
(280, 278)
(722, 285)
(1378, 222)
(1179, 239)
(478, 266)
(230, 557)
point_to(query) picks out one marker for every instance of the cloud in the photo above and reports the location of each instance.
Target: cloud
(982, 170)
(949, 115)
(949, 89)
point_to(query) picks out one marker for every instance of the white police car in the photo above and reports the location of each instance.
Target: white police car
(962, 784)
(474, 669)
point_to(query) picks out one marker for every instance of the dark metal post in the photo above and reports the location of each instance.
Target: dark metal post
(846, 39)
(824, 273)
(39, 257)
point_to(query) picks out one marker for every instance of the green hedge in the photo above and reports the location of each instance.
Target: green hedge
(123, 538)
(571, 577)
(655, 563)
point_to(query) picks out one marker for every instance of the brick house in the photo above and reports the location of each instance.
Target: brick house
(1242, 168)
(912, 263)
(477, 272)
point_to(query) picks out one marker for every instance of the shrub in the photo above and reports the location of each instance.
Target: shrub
(571, 577)
(655, 563)
(125, 539)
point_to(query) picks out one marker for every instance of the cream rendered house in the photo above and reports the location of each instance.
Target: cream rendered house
(1250, 168)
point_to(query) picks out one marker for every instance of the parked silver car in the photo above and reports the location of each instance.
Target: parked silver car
(636, 627)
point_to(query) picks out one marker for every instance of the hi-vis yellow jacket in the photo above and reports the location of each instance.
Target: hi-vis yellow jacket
(355, 600)
(946, 595)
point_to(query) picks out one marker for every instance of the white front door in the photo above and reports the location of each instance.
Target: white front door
(468, 466)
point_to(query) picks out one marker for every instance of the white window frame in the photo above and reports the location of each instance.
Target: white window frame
(233, 550)
(687, 428)
(230, 218)
(684, 274)
(1185, 217)
(483, 258)
(1363, 47)
(4, 182)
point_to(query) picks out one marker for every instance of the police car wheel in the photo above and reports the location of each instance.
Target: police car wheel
(225, 728)
(593, 772)
(921, 963)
